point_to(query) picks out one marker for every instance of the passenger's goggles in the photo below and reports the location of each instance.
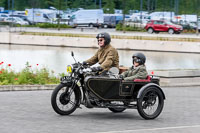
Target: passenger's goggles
(137, 60)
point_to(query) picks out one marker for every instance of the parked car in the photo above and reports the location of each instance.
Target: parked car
(199, 26)
(3, 16)
(189, 25)
(163, 26)
(16, 20)
(22, 17)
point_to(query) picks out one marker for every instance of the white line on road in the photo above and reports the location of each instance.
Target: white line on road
(151, 129)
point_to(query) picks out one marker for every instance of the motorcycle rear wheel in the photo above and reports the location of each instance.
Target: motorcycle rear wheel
(151, 103)
(65, 100)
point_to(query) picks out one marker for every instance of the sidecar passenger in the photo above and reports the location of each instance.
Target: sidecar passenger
(138, 70)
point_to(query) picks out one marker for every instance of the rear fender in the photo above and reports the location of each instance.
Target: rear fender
(148, 85)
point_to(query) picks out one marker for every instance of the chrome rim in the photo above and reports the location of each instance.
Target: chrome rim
(171, 31)
(66, 99)
(150, 30)
(150, 103)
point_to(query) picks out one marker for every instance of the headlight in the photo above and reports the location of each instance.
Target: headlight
(69, 69)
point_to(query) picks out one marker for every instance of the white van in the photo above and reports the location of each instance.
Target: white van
(90, 17)
(40, 15)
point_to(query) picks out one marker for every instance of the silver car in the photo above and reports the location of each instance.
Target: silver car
(16, 20)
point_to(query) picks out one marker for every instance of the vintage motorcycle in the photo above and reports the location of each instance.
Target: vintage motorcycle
(86, 87)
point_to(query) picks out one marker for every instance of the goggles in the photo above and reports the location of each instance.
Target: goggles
(100, 36)
(137, 60)
(100, 40)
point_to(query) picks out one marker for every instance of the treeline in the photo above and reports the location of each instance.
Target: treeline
(177, 6)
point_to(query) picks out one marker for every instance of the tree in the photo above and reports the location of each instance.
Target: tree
(109, 6)
(179, 6)
(34, 3)
(59, 4)
(4, 3)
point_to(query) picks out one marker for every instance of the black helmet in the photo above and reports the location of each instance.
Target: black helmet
(140, 58)
(104, 35)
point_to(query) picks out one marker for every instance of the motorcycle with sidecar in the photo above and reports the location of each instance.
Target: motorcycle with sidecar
(108, 90)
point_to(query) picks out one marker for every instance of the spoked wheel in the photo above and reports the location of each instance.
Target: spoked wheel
(65, 100)
(117, 110)
(151, 103)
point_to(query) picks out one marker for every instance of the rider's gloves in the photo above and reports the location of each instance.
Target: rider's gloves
(84, 63)
(121, 77)
(95, 69)
(99, 68)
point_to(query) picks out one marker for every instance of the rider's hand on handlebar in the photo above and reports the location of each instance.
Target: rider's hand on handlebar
(95, 69)
(121, 77)
(85, 63)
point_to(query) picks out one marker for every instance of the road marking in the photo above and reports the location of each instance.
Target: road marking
(151, 129)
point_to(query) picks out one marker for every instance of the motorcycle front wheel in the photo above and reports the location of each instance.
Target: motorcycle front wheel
(65, 100)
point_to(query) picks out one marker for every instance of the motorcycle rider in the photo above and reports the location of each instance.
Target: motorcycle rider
(138, 70)
(107, 56)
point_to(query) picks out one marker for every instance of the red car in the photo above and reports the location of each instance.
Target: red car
(163, 26)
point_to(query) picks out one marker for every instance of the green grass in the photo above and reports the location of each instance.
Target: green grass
(120, 27)
(178, 39)
(47, 25)
(26, 76)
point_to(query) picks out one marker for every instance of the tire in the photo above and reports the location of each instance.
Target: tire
(149, 98)
(91, 25)
(62, 102)
(178, 32)
(150, 30)
(105, 26)
(171, 31)
(117, 110)
(157, 32)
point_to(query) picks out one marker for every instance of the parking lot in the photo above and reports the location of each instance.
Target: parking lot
(30, 111)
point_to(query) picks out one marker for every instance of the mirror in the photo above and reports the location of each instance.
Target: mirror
(114, 70)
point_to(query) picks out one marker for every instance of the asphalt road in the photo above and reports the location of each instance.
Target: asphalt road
(31, 112)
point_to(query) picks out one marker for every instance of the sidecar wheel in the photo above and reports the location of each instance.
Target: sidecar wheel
(62, 101)
(151, 103)
(117, 110)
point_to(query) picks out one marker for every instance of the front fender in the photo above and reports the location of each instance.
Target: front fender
(148, 85)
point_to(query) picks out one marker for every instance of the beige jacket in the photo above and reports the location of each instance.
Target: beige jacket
(107, 57)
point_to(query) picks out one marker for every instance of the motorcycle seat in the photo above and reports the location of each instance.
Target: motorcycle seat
(148, 79)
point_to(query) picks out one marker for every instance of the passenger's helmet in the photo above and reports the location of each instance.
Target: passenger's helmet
(104, 35)
(141, 59)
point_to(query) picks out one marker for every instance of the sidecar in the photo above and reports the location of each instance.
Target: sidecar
(145, 95)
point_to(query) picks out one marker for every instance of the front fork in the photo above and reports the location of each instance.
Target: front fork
(84, 95)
